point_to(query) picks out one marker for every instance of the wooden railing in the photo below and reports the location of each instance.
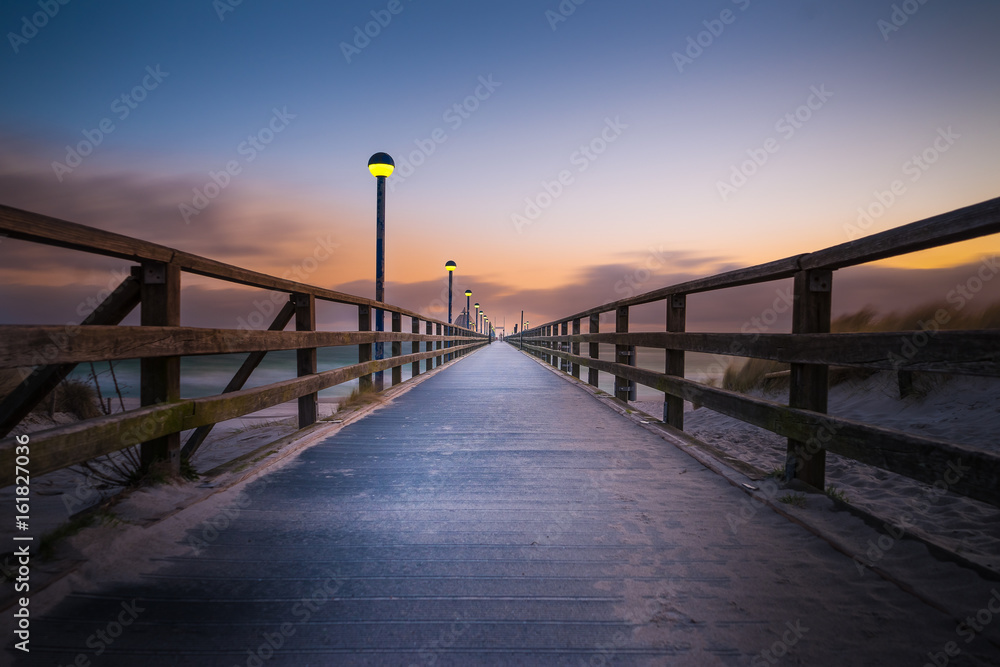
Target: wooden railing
(810, 349)
(159, 342)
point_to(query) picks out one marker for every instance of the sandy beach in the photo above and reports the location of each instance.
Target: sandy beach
(965, 410)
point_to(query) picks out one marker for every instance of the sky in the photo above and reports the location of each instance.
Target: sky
(563, 154)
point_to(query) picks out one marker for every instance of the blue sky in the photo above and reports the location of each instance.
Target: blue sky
(667, 122)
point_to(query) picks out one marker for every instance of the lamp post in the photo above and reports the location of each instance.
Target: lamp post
(381, 166)
(477, 316)
(468, 310)
(450, 267)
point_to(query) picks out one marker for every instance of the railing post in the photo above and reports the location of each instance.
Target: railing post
(415, 346)
(673, 406)
(623, 354)
(305, 320)
(438, 358)
(576, 348)
(595, 349)
(429, 362)
(553, 331)
(809, 384)
(564, 347)
(364, 350)
(160, 377)
(397, 348)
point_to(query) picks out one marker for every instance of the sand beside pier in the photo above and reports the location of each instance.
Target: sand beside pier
(963, 409)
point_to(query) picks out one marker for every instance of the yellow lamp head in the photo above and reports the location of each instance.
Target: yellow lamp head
(450, 266)
(477, 306)
(468, 292)
(381, 164)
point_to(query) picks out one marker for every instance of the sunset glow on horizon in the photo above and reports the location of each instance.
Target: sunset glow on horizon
(538, 147)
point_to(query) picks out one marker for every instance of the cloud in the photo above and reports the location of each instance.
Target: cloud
(271, 233)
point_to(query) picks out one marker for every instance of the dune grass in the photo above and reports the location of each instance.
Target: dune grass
(765, 375)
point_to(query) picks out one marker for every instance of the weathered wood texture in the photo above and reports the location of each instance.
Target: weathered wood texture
(305, 358)
(47, 351)
(673, 406)
(28, 226)
(809, 384)
(921, 458)
(160, 377)
(20, 344)
(397, 348)
(964, 352)
(960, 225)
(248, 366)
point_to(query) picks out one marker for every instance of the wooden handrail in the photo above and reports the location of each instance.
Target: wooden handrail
(963, 224)
(43, 229)
(27, 345)
(810, 349)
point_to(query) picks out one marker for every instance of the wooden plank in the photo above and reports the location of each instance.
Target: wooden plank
(975, 473)
(248, 366)
(439, 359)
(623, 355)
(673, 406)
(959, 225)
(20, 344)
(47, 351)
(974, 352)
(364, 349)
(160, 377)
(429, 363)
(415, 345)
(28, 226)
(576, 348)
(397, 348)
(75, 443)
(776, 270)
(305, 359)
(594, 350)
(810, 383)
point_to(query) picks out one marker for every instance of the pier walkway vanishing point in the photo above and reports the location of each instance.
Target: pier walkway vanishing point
(496, 513)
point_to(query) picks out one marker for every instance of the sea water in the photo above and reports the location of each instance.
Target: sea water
(208, 375)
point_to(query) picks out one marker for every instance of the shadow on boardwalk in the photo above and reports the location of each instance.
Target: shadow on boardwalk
(496, 514)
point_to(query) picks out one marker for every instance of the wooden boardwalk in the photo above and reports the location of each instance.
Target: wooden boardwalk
(496, 514)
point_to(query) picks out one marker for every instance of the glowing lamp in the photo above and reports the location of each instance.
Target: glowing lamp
(381, 164)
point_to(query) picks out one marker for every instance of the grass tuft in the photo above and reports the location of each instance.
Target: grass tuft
(794, 499)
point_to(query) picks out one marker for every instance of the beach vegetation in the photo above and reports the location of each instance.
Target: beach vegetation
(836, 494)
(793, 499)
(764, 375)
